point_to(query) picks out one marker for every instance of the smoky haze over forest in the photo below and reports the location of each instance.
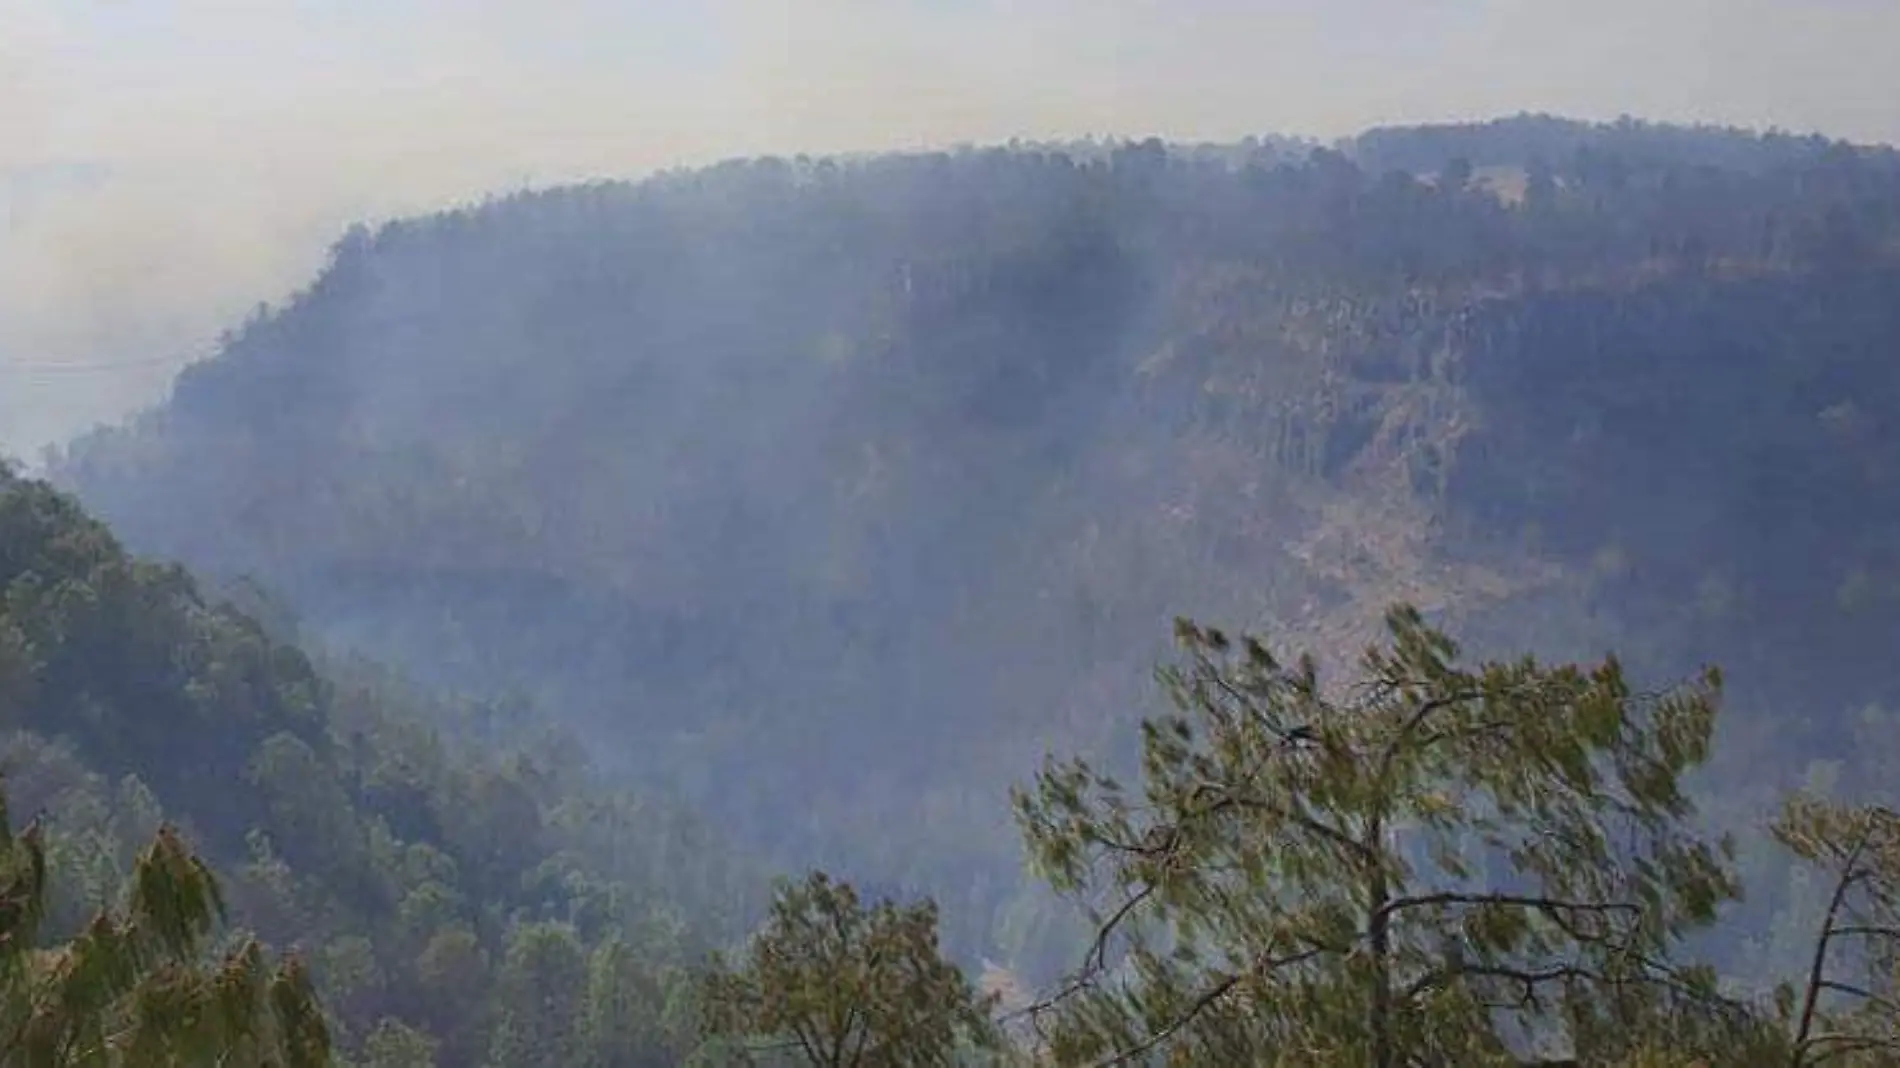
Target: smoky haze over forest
(865, 484)
(518, 486)
(166, 166)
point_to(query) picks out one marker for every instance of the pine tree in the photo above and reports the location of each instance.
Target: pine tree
(1846, 1010)
(833, 984)
(142, 985)
(1437, 864)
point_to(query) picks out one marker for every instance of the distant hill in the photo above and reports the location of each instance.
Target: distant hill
(833, 493)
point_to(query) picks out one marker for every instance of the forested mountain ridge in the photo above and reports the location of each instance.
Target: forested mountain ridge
(425, 881)
(402, 869)
(834, 493)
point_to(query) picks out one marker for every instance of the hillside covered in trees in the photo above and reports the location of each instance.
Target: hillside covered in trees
(428, 879)
(820, 499)
(1440, 862)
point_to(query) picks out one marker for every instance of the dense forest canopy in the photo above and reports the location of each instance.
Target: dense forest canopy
(417, 869)
(819, 499)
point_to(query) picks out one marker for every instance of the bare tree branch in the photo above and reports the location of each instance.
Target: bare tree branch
(1202, 1003)
(1535, 903)
(1817, 967)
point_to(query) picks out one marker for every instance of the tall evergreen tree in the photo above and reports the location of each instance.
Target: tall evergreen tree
(833, 984)
(1437, 864)
(140, 985)
(1846, 1009)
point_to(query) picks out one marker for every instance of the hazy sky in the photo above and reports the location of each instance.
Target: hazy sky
(165, 165)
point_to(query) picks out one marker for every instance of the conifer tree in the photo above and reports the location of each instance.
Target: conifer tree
(833, 984)
(1437, 864)
(1846, 1010)
(142, 985)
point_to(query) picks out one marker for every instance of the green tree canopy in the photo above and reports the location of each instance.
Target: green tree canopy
(829, 982)
(141, 985)
(1847, 1008)
(1437, 864)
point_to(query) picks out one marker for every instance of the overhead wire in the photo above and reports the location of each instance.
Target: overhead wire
(58, 368)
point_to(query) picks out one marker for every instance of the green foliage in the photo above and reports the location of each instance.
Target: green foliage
(1846, 1009)
(412, 867)
(395, 1044)
(625, 1022)
(140, 985)
(829, 982)
(1435, 862)
(539, 989)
